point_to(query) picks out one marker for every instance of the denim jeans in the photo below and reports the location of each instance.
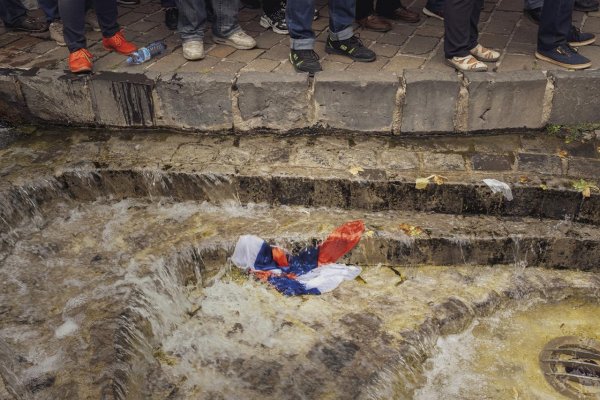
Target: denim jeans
(460, 25)
(192, 18)
(533, 4)
(436, 5)
(299, 16)
(72, 13)
(50, 8)
(555, 24)
(11, 11)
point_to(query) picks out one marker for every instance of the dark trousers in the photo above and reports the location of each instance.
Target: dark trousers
(364, 8)
(50, 8)
(11, 12)
(460, 21)
(168, 4)
(435, 5)
(72, 13)
(271, 6)
(555, 24)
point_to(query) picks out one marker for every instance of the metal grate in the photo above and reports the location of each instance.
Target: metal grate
(571, 365)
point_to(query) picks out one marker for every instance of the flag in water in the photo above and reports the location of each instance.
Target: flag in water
(311, 271)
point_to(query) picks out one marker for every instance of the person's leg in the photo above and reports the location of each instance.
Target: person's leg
(341, 17)
(168, 3)
(12, 12)
(533, 4)
(299, 16)
(457, 27)
(271, 6)
(435, 5)
(387, 7)
(107, 13)
(364, 8)
(50, 9)
(226, 13)
(192, 18)
(555, 24)
(473, 24)
(72, 13)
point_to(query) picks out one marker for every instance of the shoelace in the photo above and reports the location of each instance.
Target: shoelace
(566, 49)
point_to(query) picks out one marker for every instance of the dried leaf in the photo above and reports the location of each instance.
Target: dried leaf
(421, 183)
(361, 280)
(356, 170)
(524, 179)
(438, 179)
(563, 154)
(587, 192)
(586, 188)
(411, 230)
(543, 186)
(369, 234)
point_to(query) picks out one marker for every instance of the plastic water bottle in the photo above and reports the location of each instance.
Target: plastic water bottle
(145, 53)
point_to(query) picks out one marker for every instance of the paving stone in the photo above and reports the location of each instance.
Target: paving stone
(275, 101)
(521, 48)
(576, 97)
(584, 168)
(503, 22)
(261, 65)
(400, 63)
(491, 162)
(168, 63)
(142, 26)
(221, 51)
(385, 50)
(443, 162)
(517, 62)
(418, 45)
(195, 101)
(279, 52)
(202, 66)
(245, 56)
(369, 67)
(505, 100)
(398, 159)
(328, 65)
(335, 106)
(539, 163)
(497, 42)
(436, 31)
(56, 96)
(12, 103)
(123, 99)
(393, 39)
(425, 91)
(268, 39)
(228, 67)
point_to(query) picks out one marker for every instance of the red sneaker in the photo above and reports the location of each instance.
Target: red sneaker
(80, 61)
(119, 44)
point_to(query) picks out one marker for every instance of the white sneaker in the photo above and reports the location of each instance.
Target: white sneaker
(92, 20)
(193, 50)
(56, 33)
(240, 40)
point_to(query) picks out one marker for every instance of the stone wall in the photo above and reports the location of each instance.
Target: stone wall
(419, 101)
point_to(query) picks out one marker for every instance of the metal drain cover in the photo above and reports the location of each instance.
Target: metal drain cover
(571, 365)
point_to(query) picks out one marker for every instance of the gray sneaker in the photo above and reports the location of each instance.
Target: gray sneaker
(92, 20)
(56, 33)
(240, 40)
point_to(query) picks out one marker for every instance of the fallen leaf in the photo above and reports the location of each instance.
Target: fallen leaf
(585, 187)
(587, 192)
(563, 154)
(361, 280)
(438, 179)
(421, 183)
(524, 179)
(543, 186)
(369, 234)
(411, 230)
(356, 170)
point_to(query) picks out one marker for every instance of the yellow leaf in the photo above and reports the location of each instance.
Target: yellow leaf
(586, 192)
(411, 230)
(421, 183)
(543, 186)
(523, 179)
(438, 179)
(369, 234)
(563, 154)
(355, 170)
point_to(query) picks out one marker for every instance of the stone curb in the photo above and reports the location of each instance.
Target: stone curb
(418, 102)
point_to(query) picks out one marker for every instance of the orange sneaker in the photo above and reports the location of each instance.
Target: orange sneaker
(80, 61)
(119, 44)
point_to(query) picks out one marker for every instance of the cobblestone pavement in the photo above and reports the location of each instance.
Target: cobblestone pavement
(406, 46)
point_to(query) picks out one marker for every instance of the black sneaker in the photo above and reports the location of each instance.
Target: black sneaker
(352, 48)
(171, 18)
(564, 56)
(305, 61)
(29, 24)
(577, 38)
(586, 5)
(534, 15)
(275, 21)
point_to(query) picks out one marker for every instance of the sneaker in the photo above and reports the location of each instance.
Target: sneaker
(193, 50)
(91, 19)
(564, 56)
(29, 24)
(240, 40)
(484, 54)
(80, 61)
(586, 5)
(305, 61)
(534, 15)
(433, 13)
(352, 48)
(577, 38)
(171, 18)
(275, 21)
(466, 64)
(119, 44)
(128, 2)
(56, 33)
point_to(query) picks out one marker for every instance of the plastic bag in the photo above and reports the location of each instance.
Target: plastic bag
(328, 277)
(340, 241)
(499, 186)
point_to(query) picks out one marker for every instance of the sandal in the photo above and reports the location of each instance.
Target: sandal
(467, 64)
(484, 54)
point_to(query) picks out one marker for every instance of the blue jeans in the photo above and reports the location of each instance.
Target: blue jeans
(11, 11)
(436, 5)
(555, 24)
(533, 4)
(299, 17)
(192, 18)
(50, 8)
(72, 13)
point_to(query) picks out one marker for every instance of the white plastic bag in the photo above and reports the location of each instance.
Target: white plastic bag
(329, 276)
(499, 186)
